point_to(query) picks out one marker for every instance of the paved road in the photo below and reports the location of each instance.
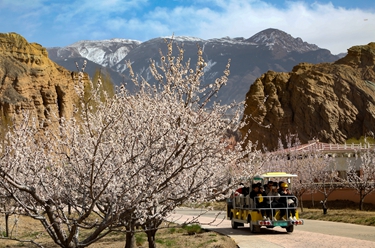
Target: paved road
(312, 234)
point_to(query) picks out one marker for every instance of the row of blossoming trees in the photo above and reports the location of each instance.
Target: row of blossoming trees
(318, 171)
(126, 161)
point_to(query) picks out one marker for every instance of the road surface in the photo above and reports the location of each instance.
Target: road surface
(312, 234)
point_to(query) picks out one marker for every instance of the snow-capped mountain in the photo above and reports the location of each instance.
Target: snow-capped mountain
(270, 49)
(275, 39)
(103, 52)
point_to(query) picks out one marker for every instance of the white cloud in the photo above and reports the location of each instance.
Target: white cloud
(327, 26)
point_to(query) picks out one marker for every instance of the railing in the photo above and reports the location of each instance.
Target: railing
(333, 147)
(265, 206)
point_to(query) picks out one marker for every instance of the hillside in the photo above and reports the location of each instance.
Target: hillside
(31, 81)
(331, 102)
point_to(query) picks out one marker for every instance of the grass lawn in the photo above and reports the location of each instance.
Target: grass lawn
(340, 215)
(340, 211)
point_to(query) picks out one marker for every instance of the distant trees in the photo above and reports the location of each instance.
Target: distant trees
(362, 178)
(318, 171)
(326, 181)
(308, 165)
(315, 170)
(126, 161)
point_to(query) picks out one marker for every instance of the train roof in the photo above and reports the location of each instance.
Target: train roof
(277, 174)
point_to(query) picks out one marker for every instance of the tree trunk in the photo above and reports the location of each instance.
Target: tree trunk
(361, 200)
(7, 224)
(130, 240)
(301, 203)
(130, 237)
(324, 206)
(151, 238)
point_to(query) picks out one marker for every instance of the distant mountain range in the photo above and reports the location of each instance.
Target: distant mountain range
(270, 49)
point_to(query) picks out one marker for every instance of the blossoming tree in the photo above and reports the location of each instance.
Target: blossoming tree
(362, 178)
(313, 167)
(127, 160)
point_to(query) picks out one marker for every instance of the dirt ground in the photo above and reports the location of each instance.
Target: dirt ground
(25, 228)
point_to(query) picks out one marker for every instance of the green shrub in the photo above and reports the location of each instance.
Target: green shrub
(361, 140)
(370, 221)
(193, 229)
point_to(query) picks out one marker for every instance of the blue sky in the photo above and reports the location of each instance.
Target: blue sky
(336, 25)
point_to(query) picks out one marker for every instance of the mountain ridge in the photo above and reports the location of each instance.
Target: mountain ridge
(273, 37)
(270, 49)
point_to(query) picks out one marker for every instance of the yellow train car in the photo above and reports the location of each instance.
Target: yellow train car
(266, 202)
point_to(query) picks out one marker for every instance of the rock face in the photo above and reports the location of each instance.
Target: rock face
(31, 81)
(332, 102)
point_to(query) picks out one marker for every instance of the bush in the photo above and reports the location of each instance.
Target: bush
(193, 229)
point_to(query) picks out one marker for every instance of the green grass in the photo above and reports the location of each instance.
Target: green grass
(340, 211)
(193, 229)
(166, 242)
(174, 236)
(140, 238)
(341, 215)
(205, 244)
(361, 140)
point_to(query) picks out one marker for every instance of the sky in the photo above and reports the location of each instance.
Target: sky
(335, 25)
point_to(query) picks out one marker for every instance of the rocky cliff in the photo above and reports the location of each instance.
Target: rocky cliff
(31, 81)
(331, 102)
